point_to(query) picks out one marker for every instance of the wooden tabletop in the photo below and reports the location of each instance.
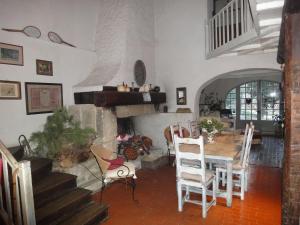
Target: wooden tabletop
(225, 147)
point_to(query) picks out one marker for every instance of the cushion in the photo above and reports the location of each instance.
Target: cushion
(115, 163)
(208, 175)
(121, 172)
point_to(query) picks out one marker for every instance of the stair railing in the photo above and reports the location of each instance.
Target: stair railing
(230, 23)
(17, 204)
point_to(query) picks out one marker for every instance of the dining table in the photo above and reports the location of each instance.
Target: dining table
(223, 151)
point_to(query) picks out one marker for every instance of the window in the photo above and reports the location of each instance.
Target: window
(270, 100)
(248, 101)
(230, 102)
(258, 100)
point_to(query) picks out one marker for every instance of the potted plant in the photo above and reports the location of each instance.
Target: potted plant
(211, 127)
(62, 139)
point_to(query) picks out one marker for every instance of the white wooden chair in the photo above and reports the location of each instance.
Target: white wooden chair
(191, 173)
(123, 171)
(240, 167)
(241, 155)
(169, 133)
(194, 128)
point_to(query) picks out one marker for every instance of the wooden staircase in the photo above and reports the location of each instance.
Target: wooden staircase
(57, 198)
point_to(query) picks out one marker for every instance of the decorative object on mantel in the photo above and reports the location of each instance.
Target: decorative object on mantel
(54, 37)
(145, 88)
(181, 95)
(10, 89)
(63, 139)
(211, 127)
(30, 31)
(139, 72)
(123, 88)
(11, 54)
(44, 67)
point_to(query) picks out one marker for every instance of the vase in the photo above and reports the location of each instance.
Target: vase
(210, 138)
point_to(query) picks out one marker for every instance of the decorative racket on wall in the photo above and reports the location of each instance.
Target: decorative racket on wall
(30, 31)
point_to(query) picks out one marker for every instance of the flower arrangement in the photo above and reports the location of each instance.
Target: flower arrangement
(211, 126)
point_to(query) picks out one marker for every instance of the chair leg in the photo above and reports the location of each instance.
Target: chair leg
(204, 210)
(214, 192)
(187, 193)
(246, 180)
(217, 179)
(223, 179)
(133, 185)
(179, 195)
(101, 192)
(169, 155)
(242, 178)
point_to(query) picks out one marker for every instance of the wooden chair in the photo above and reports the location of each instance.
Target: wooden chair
(241, 155)
(117, 172)
(193, 177)
(240, 167)
(169, 136)
(194, 128)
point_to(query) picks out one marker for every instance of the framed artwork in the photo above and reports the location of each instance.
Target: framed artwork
(10, 89)
(43, 97)
(181, 96)
(11, 54)
(44, 67)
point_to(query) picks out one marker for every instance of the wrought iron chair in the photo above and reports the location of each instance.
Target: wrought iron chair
(240, 167)
(113, 171)
(192, 175)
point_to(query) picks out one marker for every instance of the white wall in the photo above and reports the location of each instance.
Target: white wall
(74, 20)
(180, 51)
(75, 24)
(153, 126)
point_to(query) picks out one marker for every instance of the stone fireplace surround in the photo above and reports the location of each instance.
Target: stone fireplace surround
(104, 121)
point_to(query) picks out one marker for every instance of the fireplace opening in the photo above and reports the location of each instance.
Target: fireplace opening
(130, 144)
(125, 126)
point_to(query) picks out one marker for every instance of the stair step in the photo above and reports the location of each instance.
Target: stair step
(53, 183)
(66, 203)
(92, 213)
(40, 167)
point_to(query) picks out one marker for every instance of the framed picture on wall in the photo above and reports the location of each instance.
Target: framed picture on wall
(43, 97)
(181, 96)
(10, 89)
(11, 54)
(44, 67)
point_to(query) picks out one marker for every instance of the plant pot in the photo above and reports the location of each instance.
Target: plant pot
(210, 138)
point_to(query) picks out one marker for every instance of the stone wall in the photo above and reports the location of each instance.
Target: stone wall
(102, 120)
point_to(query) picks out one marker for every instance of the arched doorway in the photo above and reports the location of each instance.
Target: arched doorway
(251, 95)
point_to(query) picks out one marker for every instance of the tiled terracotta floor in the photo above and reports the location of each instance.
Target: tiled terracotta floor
(156, 193)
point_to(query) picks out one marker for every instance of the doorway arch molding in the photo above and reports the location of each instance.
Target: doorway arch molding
(253, 72)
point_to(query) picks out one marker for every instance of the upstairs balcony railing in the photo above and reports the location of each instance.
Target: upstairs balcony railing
(230, 26)
(16, 195)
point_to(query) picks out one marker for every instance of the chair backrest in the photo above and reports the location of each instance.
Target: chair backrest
(194, 128)
(175, 129)
(245, 159)
(189, 149)
(100, 154)
(244, 141)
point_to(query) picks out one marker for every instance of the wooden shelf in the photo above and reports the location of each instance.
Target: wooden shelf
(114, 98)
